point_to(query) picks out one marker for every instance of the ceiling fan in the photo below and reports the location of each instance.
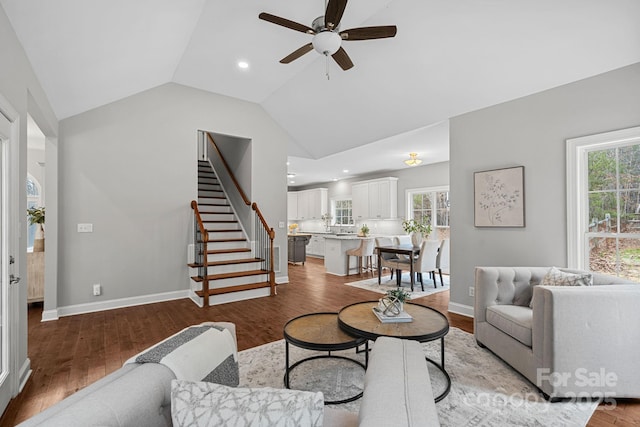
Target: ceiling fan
(327, 37)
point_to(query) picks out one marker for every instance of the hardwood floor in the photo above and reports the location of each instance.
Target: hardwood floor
(70, 353)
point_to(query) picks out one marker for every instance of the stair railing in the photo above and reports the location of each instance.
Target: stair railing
(200, 239)
(263, 235)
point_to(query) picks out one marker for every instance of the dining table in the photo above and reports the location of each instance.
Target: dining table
(406, 249)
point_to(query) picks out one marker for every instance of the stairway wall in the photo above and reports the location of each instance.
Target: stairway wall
(128, 168)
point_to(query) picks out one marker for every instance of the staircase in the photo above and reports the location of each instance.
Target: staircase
(229, 264)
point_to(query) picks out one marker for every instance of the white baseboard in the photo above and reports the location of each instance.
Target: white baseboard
(282, 279)
(48, 315)
(24, 374)
(195, 298)
(71, 310)
(464, 310)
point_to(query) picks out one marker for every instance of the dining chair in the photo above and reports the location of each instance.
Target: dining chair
(385, 257)
(442, 260)
(425, 262)
(364, 251)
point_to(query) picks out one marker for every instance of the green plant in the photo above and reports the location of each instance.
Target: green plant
(399, 294)
(364, 229)
(413, 226)
(36, 215)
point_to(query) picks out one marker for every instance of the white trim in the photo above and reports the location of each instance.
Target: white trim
(93, 307)
(25, 373)
(196, 299)
(48, 315)
(461, 309)
(282, 280)
(577, 201)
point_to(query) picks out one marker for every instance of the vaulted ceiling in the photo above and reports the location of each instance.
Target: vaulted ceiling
(448, 57)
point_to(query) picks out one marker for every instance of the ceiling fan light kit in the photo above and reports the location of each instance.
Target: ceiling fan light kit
(327, 39)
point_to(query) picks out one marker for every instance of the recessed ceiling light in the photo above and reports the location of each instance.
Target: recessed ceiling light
(335, 179)
(292, 182)
(243, 65)
(290, 174)
(345, 170)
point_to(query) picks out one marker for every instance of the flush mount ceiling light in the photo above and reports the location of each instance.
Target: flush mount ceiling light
(243, 65)
(413, 160)
(291, 175)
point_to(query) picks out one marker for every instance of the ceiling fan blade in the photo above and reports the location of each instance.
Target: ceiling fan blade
(334, 12)
(297, 54)
(369, 33)
(286, 23)
(342, 59)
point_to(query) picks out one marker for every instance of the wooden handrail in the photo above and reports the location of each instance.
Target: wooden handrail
(203, 231)
(229, 171)
(272, 233)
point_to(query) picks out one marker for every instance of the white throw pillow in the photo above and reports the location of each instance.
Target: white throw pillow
(556, 277)
(211, 404)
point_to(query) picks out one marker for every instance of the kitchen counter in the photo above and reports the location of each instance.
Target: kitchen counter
(335, 253)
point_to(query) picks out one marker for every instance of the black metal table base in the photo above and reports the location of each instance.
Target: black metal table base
(324, 356)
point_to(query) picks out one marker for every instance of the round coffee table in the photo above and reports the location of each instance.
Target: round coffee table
(428, 325)
(320, 332)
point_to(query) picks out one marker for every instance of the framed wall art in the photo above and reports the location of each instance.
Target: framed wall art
(499, 197)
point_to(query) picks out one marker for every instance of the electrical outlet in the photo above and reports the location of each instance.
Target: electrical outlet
(472, 291)
(97, 289)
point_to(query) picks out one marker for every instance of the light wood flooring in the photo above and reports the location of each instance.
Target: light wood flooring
(70, 353)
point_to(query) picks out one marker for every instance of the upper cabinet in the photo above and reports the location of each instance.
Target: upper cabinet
(375, 199)
(307, 204)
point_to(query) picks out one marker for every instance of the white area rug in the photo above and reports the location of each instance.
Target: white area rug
(484, 391)
(387, 284)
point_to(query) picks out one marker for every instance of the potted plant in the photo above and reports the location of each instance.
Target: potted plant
(364, 230)
(393, 303)
(36, 216)
(417, 229)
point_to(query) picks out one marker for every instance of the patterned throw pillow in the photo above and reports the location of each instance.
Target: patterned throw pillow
(555, 277)
(210, 404)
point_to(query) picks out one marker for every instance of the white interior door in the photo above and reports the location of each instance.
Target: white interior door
(5, 372)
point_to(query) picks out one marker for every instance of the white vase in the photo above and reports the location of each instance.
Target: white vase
(38, 241)
(416, 239)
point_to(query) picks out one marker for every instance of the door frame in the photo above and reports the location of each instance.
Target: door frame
(12, 198)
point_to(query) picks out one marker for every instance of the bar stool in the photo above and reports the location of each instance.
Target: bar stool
(365, 250)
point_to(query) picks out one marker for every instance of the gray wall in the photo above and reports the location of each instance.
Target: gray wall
(129, 168)
(530, 131)
(20, 88)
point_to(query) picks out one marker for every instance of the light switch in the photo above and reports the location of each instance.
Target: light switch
(281, 224)
(85, 228)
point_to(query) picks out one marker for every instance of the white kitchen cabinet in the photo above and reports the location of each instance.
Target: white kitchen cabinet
(375, 199)
(360, 201)
(316, 246)
(310, 204)
(292, 205)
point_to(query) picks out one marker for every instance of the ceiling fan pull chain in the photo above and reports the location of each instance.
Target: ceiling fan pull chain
(327, 66)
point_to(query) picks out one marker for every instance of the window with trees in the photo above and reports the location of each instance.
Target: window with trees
(431, 204)
(606, 210)
(342, 212)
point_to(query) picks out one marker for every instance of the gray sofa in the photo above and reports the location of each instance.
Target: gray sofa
(570, 341)
(141, 395)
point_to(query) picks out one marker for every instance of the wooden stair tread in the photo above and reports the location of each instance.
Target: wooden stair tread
(231, 275)
(227, 251)
(239, 239)
(220, 221)
(229, 289)
(222, 231)
(227, 262)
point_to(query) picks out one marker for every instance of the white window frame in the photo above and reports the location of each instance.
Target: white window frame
(577, 188)
(408, 193)
(334, 201)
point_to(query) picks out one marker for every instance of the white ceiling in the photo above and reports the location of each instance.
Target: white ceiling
(448, 58)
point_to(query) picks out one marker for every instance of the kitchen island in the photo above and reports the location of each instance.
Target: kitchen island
(335, 253)
(297, 247)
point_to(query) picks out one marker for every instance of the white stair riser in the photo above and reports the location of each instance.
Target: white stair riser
(212, 203)
(239, 296)
(214, 210)
(226, 245)
(232, 268)
(234, 281)
(212, 226)
(209, 187)
(228, 256)
(210, 194)
(217, 216)
(226, 235)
